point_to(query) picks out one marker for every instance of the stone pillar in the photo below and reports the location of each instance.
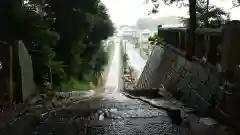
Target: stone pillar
(230, 61)
(230, 48)
(26, 71)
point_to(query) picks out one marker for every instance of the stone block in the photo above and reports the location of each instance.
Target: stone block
(26, 70)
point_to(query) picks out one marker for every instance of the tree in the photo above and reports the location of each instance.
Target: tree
(73, 23)
(191, 21)
(64, 37)
(236, 3)
(22, 21)
(209, 15)
(81, 26)
(191, 26)
(102, 28)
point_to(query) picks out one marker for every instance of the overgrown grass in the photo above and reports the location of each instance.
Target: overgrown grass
(74, 84)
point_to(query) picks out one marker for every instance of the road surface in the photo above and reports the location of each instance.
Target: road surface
(134, 59)
(114, 77)
(109, 114)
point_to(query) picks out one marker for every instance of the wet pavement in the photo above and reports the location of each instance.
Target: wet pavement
(112, 114)
(134, 59)
(114, 77)
(107, 113)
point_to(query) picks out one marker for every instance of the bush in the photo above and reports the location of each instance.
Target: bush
(74, 84)
(154, 39)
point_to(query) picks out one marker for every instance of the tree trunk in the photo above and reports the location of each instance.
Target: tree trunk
(191, 29)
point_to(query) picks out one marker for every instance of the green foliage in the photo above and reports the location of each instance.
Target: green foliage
(216, 16)
(65, 37)
(75, 84)
(154, 39)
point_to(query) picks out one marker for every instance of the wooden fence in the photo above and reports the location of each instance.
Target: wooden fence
(206, 43)
(220, 47)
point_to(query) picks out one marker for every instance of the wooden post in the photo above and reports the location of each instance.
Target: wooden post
(10, 74)
(206, 16)
(191, 29)
(207, 45)
(179, 41)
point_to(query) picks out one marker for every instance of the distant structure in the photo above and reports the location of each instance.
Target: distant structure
(130, 33)
(144, 35)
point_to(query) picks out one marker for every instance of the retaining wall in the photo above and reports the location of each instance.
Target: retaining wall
(194, 84)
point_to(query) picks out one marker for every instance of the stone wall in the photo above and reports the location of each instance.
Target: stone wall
(195, 82)
(199, 85)
(27, 81)
(146, 78)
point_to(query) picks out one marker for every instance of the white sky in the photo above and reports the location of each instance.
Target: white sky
(128, 11)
